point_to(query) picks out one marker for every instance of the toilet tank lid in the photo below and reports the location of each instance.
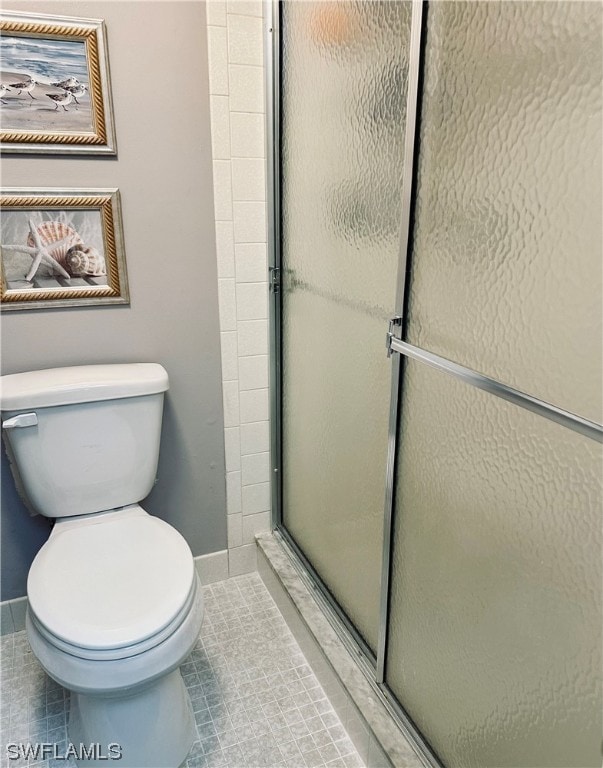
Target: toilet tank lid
(80, 384)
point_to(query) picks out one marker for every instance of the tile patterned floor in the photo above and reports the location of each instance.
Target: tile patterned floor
(257, 703)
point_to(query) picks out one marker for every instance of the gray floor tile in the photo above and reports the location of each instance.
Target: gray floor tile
(257, 703)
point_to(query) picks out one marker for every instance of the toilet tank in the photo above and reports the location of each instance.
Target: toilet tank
(83, 439)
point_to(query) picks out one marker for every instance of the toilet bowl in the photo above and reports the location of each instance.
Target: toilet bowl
(114, 602)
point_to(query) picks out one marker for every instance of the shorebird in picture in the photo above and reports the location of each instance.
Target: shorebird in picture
(68, 83)
(26, 86)
(3, 90)
(76, 90)
(61, 98)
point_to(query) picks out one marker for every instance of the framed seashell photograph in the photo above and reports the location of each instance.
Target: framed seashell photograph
(61, 248)
(54, 85)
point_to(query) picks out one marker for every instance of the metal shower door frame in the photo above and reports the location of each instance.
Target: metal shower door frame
(272, 46)
(372, 666)
(273, 141)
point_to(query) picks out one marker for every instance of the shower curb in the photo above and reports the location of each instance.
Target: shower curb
(375, 734)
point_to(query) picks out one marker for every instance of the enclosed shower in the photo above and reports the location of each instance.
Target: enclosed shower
(436, 339)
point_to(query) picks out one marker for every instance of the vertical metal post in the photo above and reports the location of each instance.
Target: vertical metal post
(410, 140)
(272, 126)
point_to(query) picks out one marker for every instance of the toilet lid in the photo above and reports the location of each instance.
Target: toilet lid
(111, 584)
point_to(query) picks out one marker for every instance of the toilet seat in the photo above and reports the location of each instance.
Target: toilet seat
(122, 652)
(114, 677)
(111, 586)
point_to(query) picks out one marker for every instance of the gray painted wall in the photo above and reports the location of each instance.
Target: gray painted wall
(158, 58)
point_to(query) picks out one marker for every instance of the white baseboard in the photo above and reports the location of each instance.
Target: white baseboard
(212, 567)
(12, 615)
(236, 561)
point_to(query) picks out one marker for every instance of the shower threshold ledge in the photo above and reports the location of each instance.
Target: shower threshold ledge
(371, 725)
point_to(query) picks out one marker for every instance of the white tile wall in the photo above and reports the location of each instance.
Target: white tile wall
(246, 87)
(252, 524)
(230, 392)
(232, 449)
(225, 248)
(227, 304)
(256, 498)
(254, 405)
(236, 80)
(242, 559)
(252, 301)
(255, 437)
(222, 190)
(218, 60)
(255, 468)
(249, 222)
(235, 530)
(220, 139)
(251, 261)
(252, 339)
(248, 178)
(245, 7)
(247, 135)
(230, 361)
(234, 502)
(245, 40)
(216, 13)
(253, 372)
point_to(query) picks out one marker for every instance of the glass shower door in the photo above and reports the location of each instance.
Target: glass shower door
(495, 608)
(343, 73)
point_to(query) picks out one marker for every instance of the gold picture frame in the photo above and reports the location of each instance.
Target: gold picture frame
(61, 248)
(55, 84)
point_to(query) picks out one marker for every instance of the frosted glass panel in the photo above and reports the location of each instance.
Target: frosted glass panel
(334, 444)
(495, 634)
(507, 247)
(344, 72)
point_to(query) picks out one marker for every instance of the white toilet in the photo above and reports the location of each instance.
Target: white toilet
(114, 601)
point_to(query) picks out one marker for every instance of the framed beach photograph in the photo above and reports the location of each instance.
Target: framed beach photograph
(61, 248)
(54, 85)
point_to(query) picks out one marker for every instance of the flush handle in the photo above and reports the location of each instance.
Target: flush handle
(22, 420)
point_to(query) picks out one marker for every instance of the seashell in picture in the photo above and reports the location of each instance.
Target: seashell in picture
(57, 232)
(82, 260)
